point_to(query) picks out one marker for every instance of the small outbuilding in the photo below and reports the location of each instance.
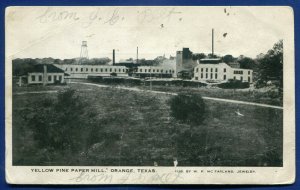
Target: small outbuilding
(45, 74)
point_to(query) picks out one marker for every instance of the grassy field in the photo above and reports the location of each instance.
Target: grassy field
(120, 127)
(271, 97)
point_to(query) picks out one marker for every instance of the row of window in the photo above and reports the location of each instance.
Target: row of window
(216, 76)
(156, 70)
(97, 70)
(211, 70)
(216, 70)
(40, 78)
(211, 76)
(240, 72)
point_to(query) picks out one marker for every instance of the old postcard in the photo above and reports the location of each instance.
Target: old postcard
(150, 95)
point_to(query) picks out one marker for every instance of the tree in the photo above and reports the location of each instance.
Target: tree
(188, 108)
(271, 66)
(228, 58)
(198, 56)
(62, 126)
(210, 55)
(246, 62)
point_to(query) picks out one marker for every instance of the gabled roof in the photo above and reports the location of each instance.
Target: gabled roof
(210, 61)
(39, 68)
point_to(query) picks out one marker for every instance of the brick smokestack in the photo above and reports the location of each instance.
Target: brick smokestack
(113, 57)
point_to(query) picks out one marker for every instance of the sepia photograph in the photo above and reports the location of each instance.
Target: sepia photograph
(149, 87)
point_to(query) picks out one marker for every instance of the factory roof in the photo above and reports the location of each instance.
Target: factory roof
(39, 68)
(210, 60)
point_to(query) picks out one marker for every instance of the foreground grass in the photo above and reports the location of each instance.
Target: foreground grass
(135, 128)
(271, 97)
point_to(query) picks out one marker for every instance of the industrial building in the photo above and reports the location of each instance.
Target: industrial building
(185, 64)
(45, 74)
(85, 71)
(154, 71)
(213, 70)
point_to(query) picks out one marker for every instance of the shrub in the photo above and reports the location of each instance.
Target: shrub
(234, 84)
(61, 124)
(188, 107)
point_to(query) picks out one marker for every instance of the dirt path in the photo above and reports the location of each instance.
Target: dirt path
(170, 93)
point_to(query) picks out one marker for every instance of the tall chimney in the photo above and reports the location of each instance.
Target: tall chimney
(212, 42)
(137, 55)
(114, 61)
(45, 74)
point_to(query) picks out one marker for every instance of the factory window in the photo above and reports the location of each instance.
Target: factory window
(224, 77)
(216, 69)
(201, 69)
(206, 76)
(234, 78)
(96, 69)
(101, 70)
(248, 72)
(197, 70)
(149, 70)
(166, 71)
(206, 69)
(202, 75)
(55, 78)
(157, 70)
(115, 70)
(110, 70)
(224, 70)
(141, 70)
(173, 71)
(170, 71)
(211, 70)
(241, 78)
(49, 78)
(60, 78)
(91, 69)
(86, 69)
(248, 79)
(237, 72)
(40, 77)
(119, 70)
(66, 69)
(71, 69)
(211, 76)
(162, 71)
(81, 69)
(76, 69)
(153, 70)
(123, 70)
(216, 76)
(105, 69)
(33, 78)
(196, 78)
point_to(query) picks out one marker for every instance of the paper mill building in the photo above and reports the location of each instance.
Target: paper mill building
(214, 70)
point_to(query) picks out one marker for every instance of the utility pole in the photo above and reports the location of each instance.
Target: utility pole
(150, 79)
(212, 42)
(137, 55)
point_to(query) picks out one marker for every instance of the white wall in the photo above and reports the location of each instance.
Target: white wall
(218, 71)
(156, 70)
(83, 71)
(39, 78)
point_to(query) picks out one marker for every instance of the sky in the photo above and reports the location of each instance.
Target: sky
(39, 32)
